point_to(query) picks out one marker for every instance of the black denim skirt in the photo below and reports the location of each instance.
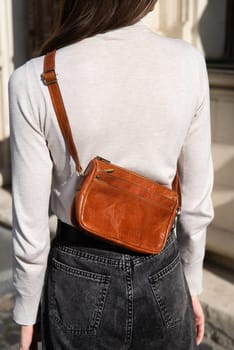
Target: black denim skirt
(102, 297)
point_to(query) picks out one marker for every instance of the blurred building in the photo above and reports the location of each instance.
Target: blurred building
(206, 24)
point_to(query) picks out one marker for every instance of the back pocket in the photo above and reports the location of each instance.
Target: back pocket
(170, 291)
(78, 298)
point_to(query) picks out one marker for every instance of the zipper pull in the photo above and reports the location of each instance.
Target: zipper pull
(102, 159)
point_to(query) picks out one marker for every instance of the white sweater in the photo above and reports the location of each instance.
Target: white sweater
(132, 96)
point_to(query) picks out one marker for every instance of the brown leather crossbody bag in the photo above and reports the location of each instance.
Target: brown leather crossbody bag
(113, 203)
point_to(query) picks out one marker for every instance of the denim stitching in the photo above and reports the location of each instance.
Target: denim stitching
(101, 305)
(166, 270)
(89, 330)
(166, 317)
(77, 272)
(129, 286)
(116, 262)
(85, 331)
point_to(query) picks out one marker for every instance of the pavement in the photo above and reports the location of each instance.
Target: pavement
(9, 331)
(217, 298)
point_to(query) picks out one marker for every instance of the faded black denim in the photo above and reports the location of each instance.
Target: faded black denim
(97, 299)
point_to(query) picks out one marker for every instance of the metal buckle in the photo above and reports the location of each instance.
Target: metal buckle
(178, 212)
(48, 82)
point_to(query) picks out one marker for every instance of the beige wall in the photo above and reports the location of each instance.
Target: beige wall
(6, 67)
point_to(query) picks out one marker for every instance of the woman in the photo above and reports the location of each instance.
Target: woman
(142, 101)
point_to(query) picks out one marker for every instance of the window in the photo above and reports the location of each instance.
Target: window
(216, 30)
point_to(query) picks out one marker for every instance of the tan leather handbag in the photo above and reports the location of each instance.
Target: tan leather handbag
(113, 203)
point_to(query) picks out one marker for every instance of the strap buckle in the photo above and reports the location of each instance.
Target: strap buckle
(49, 77)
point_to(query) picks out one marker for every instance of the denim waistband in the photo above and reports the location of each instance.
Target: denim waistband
(78, 242)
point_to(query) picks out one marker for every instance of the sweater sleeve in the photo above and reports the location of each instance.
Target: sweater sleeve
(31, 184)
(196, 173)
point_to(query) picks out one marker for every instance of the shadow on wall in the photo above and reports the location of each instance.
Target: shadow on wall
(216, 31)
(5, 162)
(20, 31)
(212, 28)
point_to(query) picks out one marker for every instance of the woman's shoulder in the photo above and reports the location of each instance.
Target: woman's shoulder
(177, 48)
(27, 73)
(25, 91)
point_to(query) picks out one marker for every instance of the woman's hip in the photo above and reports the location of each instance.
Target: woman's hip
(102, 297)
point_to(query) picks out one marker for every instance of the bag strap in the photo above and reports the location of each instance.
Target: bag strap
(49, 78)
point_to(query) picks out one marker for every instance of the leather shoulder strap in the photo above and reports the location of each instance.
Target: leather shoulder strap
(49, 78)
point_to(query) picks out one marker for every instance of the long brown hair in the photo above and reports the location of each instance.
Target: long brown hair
(80, 19)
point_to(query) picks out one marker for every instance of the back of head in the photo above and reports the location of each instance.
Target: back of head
(80, 19)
